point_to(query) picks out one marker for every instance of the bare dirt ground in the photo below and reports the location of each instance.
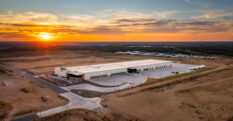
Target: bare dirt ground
(25, 96)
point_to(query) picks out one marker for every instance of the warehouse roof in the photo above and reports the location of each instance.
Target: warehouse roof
(112, 66)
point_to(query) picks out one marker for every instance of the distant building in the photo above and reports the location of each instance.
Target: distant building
(86, 72)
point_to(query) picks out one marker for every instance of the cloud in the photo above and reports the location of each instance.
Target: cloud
(97, 18)
(123, 26)
(104, 30)
(165, 14)
(12, 35)
(27, 17)
(34, 16)
(123, 21)
(205, 16)
(213, 14)
(174, 26)
(107, 10)
(126, 14)
(22, 25)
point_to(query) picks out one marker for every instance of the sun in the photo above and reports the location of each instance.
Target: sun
(45, 36)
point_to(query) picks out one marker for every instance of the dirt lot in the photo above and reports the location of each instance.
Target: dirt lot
(24, 96)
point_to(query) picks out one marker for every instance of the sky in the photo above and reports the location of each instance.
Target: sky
(116, 20)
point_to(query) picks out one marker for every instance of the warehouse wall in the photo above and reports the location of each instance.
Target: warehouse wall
(59, 72)
(87, 76)
(141, 68)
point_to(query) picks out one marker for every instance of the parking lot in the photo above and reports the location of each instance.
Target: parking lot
(130, 80)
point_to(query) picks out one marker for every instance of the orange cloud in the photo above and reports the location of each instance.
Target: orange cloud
(116, 27)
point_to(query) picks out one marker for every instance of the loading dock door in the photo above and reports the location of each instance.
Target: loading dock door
(75, 76)
(132, 70)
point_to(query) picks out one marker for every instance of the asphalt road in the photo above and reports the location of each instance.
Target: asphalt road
(27, 118)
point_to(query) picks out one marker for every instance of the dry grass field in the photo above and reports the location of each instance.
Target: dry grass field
(83, 115)
(45, 61)
(23, 96)
(206, 97)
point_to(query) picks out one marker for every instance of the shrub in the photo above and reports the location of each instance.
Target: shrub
(27, 90)
(2, 71)
(44, 99)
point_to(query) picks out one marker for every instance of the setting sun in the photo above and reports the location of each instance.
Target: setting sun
(45, 36)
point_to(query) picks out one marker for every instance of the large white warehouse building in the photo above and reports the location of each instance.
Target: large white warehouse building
(86, 72)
